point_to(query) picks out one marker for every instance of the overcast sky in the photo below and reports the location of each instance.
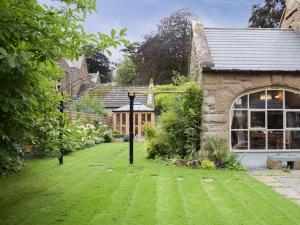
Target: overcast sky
(141, 16)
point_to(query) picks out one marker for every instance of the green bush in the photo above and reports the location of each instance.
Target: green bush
(206, 164)
(156, 144)
(219, 150)
(235, 166)
(116, 134)
(179, 117)
(89, 104)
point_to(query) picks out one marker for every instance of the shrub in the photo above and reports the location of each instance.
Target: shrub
(156, 142)
(180, 118)
(107, 136)
(233, 164)
(206, 164)
(116, 134)
(89, 104)
(219, 150)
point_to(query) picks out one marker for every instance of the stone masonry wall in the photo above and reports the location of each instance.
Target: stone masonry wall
(291, 17)
(220, 90)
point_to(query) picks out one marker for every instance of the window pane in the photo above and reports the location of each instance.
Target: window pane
(275, 140)
(239, 120)
(143, 118)
(275, 119)
(149, 117)
(257, 100)
(292, 119)
(292, 100)
(241, 102)
(118, 118)
(123, 118)
(258, 119)
(275, 99)
(292, 139)
(257, 140)
(136, 119)
(136, 131)
(239, 140)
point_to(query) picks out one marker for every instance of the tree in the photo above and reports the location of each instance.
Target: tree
(98, 62)
(267, 14)
(33, 38)
(165, 50)
(126, 73)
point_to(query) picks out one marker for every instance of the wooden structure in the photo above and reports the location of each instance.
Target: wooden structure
(142, 114)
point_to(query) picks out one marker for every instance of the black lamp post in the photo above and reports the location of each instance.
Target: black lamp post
(131, 134)
(61, 124)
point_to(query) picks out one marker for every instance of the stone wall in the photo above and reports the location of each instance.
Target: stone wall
(291, 17)
(221, 89)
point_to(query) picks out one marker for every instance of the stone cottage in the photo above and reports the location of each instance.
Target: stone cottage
(77, 79)
(251, 83)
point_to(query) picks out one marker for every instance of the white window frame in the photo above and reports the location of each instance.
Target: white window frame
(266, 130)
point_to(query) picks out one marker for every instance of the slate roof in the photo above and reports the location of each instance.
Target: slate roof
(254, 49)
(117, 96)
(137, 107)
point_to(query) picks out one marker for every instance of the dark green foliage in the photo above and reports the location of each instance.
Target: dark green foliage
(219, 150)
(267, 14)
(179, 122)
(126, 72)
(220, 154)
(116, 134)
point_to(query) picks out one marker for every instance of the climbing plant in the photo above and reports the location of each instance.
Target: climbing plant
(179, 121)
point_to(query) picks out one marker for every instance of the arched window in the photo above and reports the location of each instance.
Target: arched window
(267, 119)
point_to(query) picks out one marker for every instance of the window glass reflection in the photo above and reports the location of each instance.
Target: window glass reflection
(293, 119)
(292, 100)
(241, 102)
(258, 119)
(239, 120)
(275, 119)
(268, 119)
(275, 99)
(292, 139)
(275, 139)
(257, 100)
(239, 140)
(257, 140)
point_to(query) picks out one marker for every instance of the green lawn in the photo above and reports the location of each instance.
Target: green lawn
(84, 192)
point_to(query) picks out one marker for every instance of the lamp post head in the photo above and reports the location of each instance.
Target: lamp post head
(131, 94)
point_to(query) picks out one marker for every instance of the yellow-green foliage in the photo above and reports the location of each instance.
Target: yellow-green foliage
(207, 165)
(156, 142)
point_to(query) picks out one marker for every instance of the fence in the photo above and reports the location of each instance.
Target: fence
(90, 118)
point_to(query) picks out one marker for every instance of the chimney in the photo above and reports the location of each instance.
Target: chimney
(291, 15)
